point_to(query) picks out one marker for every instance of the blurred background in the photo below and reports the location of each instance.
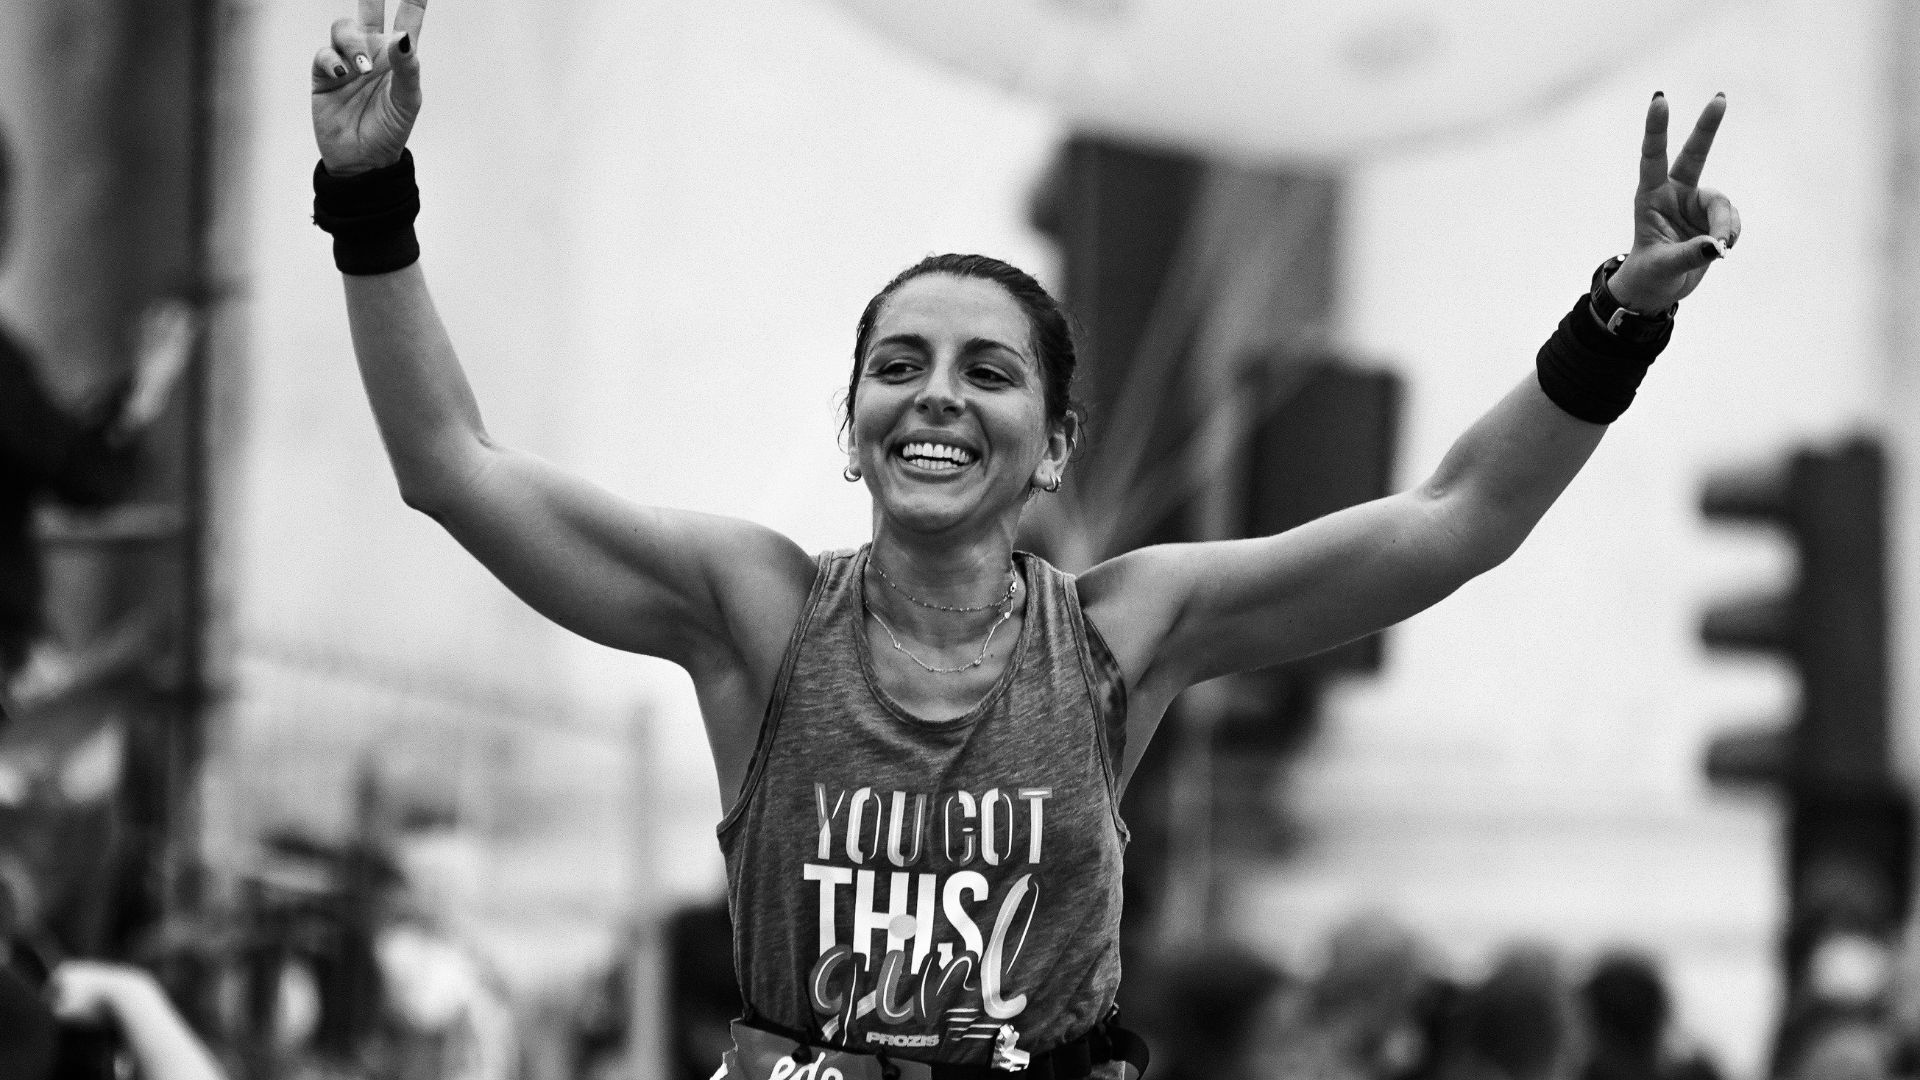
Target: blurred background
(279, 741)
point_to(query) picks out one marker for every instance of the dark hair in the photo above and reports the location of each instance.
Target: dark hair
(1627, 1002)
(1514, 1019)
(1052, 330)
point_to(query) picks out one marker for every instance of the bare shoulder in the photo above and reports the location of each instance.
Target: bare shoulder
(761, 580)
(1134, 600)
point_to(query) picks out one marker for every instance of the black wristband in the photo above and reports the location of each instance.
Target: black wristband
(1590, 373)
(370, 216)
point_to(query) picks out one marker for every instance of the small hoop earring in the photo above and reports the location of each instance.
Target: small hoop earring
(852, 473)
(1052, 485)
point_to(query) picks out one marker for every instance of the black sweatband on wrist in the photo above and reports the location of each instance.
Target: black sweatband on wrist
(1590, 373)
(370, 216)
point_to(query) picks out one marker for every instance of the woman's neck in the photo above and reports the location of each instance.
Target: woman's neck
(943, 595)
(943, 572)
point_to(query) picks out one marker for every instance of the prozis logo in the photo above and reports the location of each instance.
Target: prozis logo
(910, 1041)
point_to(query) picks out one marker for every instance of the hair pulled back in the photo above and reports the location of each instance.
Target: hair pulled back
(1052, 337)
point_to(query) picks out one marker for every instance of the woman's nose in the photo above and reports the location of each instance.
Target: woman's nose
(940, 393)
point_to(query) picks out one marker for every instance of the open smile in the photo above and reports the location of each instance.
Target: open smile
(936, 457)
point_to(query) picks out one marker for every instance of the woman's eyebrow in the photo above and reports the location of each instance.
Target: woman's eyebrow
(985, 344)
(919, 343)
(913, 341)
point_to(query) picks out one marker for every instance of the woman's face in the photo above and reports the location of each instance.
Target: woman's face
(950, 419)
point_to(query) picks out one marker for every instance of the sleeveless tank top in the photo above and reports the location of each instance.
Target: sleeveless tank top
(910, 886)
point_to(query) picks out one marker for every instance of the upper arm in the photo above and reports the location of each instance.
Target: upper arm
(1182, 613)
(1177, 614)
(696, 589)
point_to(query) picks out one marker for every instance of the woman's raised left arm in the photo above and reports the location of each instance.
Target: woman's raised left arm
(1180, 613)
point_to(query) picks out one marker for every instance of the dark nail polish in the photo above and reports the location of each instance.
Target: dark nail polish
(1658, 94)
(405, 44)
(339, 71)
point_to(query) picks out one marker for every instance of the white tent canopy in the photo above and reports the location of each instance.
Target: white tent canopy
(1283, 81)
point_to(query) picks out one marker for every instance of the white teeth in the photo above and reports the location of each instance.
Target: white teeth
(933, 455)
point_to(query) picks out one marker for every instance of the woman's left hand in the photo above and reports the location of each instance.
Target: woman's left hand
(1679, 227)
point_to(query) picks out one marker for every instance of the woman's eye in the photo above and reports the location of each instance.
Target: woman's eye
(990, 376)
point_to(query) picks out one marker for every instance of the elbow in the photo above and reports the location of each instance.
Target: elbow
(1476, 535)
(435, 494)
(1487, 552)
(422, 487)
(425, 498)
(434, 483)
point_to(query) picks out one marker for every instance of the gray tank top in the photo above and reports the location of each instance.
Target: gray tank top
(914, 886)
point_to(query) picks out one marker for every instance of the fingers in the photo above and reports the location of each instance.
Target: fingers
(355, 46)
(1693, 156)
(1671, 262)
(1653, 145)
(1723, 218)
(405, 59)
(354, 52)
(1703, 251)
(410, 17)
(329, 69)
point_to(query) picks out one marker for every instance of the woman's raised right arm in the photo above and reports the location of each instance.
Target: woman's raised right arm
(716, 595)
(670, 583)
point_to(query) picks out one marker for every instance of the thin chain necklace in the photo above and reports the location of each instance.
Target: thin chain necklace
(1005, 603)
(908, 653)
(895, 586)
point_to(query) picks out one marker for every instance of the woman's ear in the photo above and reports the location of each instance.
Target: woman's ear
(851, 472)
(1062, 440)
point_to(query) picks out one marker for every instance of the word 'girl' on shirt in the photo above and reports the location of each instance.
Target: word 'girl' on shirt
(922, 870)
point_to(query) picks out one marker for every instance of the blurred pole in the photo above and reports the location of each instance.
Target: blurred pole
(647, 1040)
(1901, 421)
(122, 123)
(207, 142)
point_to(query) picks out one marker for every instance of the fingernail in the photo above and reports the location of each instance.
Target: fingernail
(1716, 249)
(1658, 94)
(339, 71)
(360, 61)
(405, 44)
(1722, 93)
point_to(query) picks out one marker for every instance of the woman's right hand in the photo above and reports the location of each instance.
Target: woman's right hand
(366, 87)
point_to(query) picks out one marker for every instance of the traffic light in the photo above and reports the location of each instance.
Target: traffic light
(1849, 820)
(1830, 625)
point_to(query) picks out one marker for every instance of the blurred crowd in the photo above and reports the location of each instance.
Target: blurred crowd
(1384, 1006)
(276, 994)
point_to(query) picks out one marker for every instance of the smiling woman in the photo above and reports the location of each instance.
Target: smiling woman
(951, 387)
(921, 742)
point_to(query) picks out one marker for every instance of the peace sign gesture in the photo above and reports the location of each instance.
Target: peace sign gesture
(366, 87)
(1679, 227)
